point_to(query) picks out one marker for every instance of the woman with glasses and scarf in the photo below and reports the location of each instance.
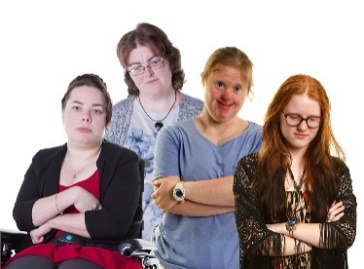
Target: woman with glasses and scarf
(154, 77)
(294, 202)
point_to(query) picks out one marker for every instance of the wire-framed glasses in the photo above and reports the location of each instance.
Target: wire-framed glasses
(294, 120)
(137, 70)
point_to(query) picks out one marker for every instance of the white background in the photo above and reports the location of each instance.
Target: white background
(45, 44)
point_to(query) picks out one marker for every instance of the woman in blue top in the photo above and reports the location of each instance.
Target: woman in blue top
(194, 165)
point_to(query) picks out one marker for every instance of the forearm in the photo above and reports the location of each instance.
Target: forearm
(192, 209)
(215, 192)
(71, 223)
(290, 247)
(308, 233)
(49, 207)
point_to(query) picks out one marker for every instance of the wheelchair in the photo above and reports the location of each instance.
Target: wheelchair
(141, 250)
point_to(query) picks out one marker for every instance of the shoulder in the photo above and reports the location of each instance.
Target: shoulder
(49, 153)
(177, 131)
(255, 128)
(342, 170)
(190, 107)
(44, 157)
(249, 164)
(123, 104)
(250, 160)
(245, 171)
(178, 127)
(120, 108)
(116, 151)
(191, 101)
(253, 135)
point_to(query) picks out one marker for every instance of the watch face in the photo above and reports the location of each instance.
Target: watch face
(179, 193)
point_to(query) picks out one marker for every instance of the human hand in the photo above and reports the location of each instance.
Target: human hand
(163, 193)
(85, 201)
(335, 212)
(37, 235)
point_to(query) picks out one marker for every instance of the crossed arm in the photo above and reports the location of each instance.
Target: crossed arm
(203, 198)
(46, 213)
(257, 237)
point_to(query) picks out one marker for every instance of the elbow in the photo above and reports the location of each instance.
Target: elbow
(351, 239)
(23, 222)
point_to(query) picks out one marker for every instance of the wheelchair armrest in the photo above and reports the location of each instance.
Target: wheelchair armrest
(9, 239)
(131, 246)
(140, 249)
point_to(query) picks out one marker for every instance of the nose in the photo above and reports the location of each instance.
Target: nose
(303, 127)
(86, 118)
(148, 72)
(226, 95)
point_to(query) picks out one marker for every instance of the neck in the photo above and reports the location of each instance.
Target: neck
(220, 132)
(297, 154)
(158, 103)
(81, 155)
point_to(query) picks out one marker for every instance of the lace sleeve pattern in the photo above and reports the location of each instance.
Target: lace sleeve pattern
(255, 237)
(259, 245)
(341, 234)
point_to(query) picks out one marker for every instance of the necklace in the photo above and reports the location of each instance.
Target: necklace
(159, 123)
(296, 186)
(291, 216)
(75, 174)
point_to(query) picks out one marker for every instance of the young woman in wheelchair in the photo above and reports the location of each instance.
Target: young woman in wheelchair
(78, 201)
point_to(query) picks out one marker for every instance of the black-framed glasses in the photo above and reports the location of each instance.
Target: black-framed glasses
(138, 70)
(294, 120)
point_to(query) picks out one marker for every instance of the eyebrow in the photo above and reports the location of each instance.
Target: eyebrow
(148, 60)
(295, 113)
(81, 103)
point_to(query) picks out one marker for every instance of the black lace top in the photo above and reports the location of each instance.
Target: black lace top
(256, 240)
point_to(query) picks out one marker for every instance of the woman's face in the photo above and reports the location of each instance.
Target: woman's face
(225, 92)
(84, 116)
(300, 107)
(151, 82)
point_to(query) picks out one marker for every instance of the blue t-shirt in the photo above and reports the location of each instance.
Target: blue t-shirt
(199, 242)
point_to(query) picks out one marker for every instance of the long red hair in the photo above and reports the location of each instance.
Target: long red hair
(274, 158)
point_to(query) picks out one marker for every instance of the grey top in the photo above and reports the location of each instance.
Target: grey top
(131, 128)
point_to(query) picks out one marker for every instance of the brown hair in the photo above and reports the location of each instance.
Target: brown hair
(146, 34)
(90, 80)
(274, 158)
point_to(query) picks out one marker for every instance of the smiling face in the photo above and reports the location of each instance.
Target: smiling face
(84, 116)
(299, 137)
(151, 82)
(225, 92)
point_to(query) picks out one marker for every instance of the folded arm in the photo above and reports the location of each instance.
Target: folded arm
(203, 198)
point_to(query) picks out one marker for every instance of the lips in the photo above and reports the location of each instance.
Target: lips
(84, 130)
(301, 136)
(154, 80)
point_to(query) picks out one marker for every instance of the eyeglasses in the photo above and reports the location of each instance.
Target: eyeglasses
(138, 70)
(294, 120)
